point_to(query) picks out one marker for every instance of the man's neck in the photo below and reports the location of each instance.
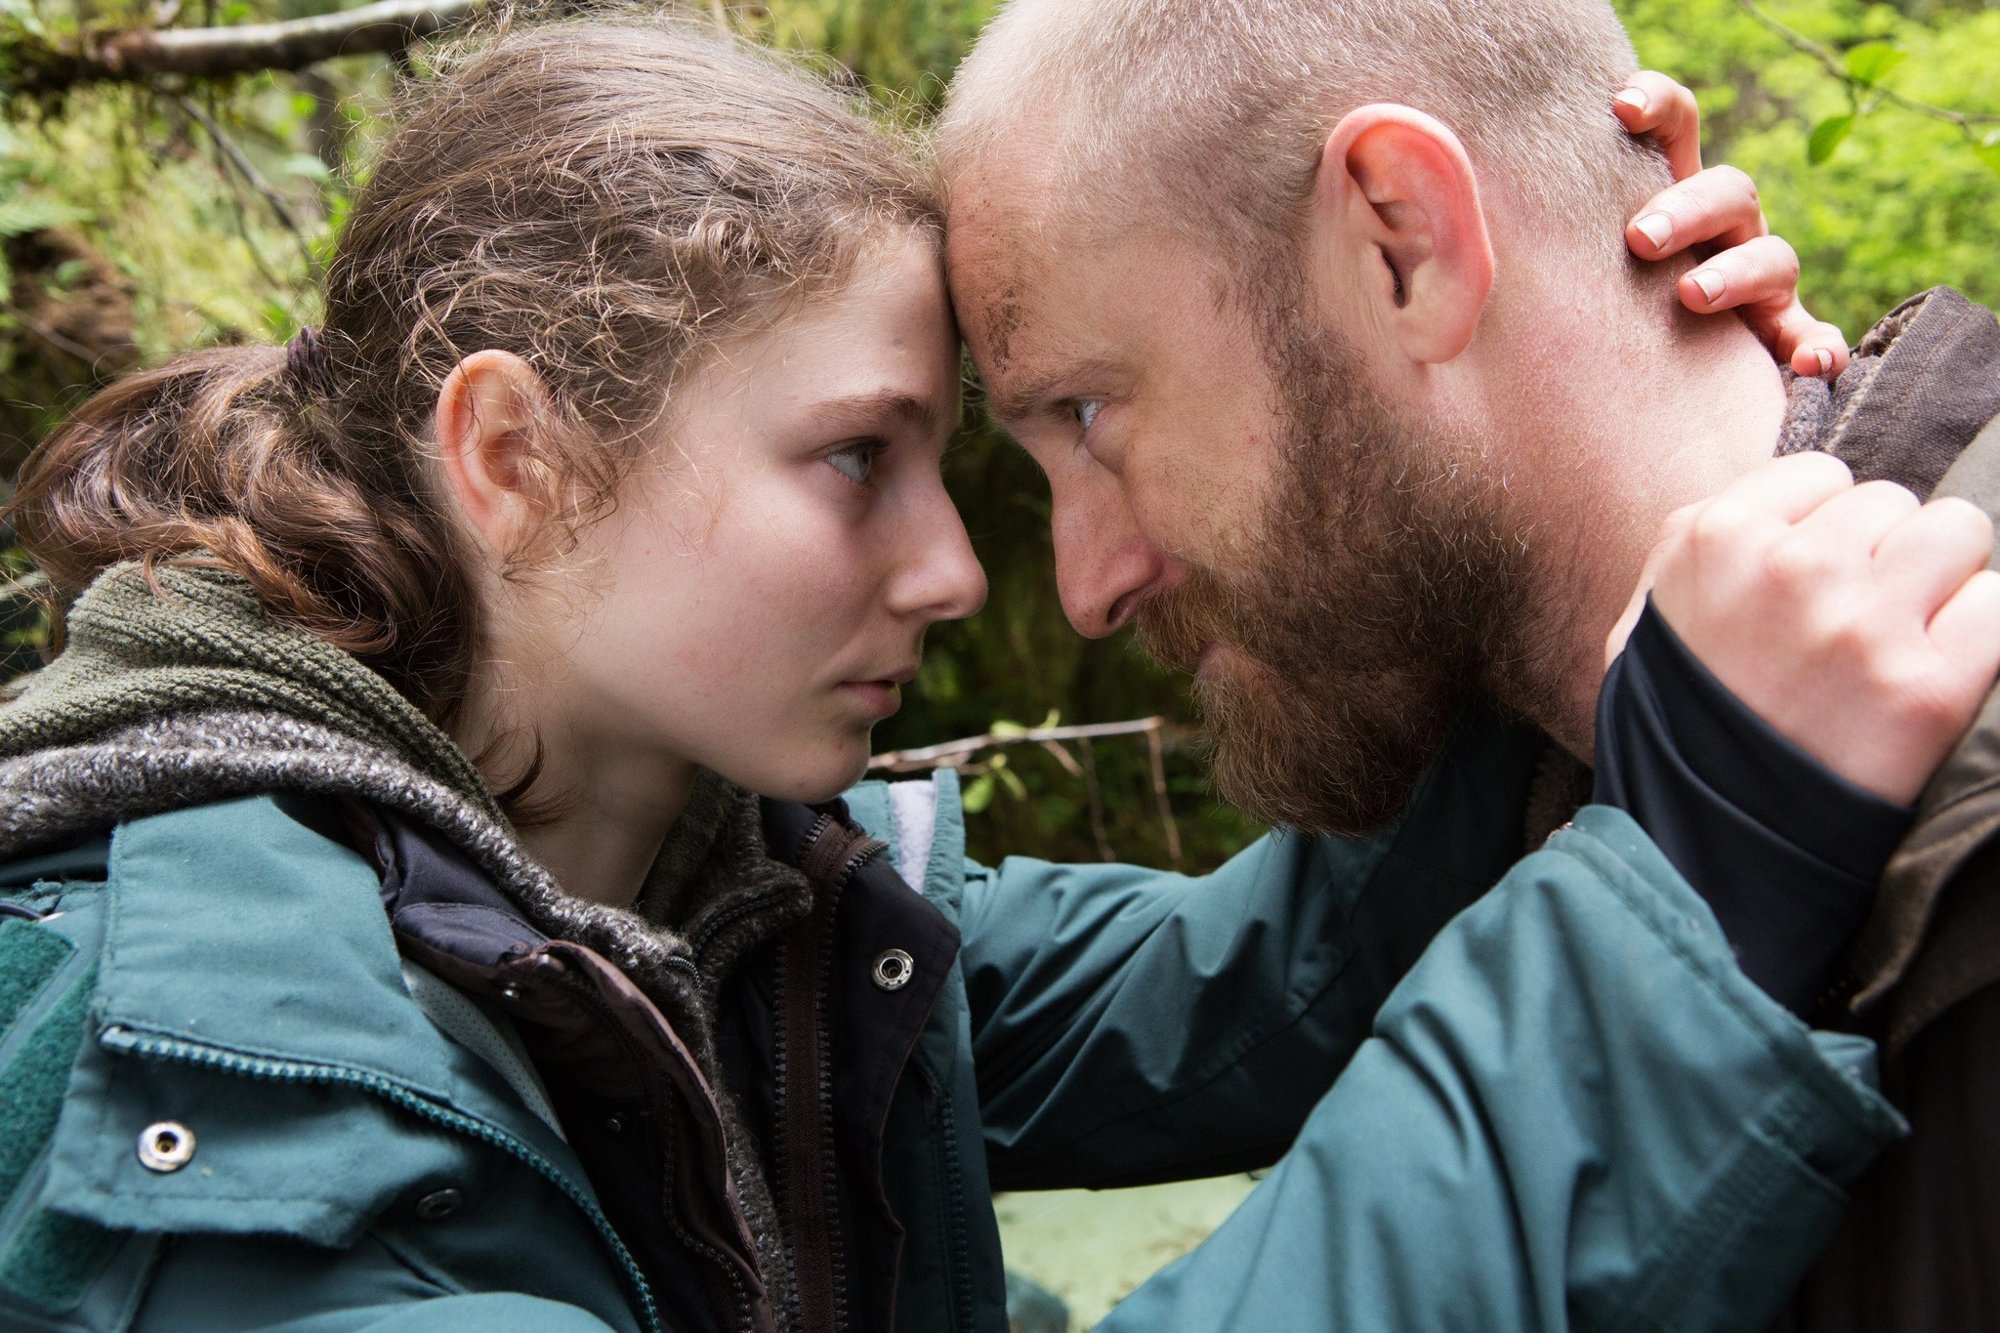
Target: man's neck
(1623, 447)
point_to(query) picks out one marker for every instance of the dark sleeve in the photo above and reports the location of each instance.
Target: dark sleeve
(1785, 851)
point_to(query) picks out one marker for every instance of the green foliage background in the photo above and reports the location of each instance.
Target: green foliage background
(114, 199)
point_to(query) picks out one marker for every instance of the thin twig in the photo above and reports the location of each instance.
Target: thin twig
(1096, 795)
(248, 170)
(1826, 56)
(240, 212)
(54, 337)
(1062, 756)
(1153, 750)
(32, 584)
(947, 754)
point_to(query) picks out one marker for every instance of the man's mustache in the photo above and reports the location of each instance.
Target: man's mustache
(1175, 624)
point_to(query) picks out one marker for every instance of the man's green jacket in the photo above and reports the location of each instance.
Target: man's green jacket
(228, 1105)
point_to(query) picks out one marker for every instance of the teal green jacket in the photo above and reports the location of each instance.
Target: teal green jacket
(228, 1104)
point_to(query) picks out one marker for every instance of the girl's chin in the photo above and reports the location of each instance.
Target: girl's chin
(830, 768)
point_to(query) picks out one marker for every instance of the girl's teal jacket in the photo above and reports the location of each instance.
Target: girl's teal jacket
(1571, 1110)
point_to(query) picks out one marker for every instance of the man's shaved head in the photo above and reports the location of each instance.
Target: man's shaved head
(1209, 115)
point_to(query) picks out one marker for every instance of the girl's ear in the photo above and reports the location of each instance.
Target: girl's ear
(488, 411)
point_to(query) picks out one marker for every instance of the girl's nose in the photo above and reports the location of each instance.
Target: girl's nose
(943, 579)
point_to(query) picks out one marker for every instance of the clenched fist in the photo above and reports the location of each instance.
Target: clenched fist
(1861, 625)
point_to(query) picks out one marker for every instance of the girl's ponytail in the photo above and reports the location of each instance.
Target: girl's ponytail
(224, 458)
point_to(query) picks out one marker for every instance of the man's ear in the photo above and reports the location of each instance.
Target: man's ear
(1397, 203)
(486, 419)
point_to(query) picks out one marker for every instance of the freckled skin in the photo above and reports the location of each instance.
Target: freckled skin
(743, 581)
(1171, 470)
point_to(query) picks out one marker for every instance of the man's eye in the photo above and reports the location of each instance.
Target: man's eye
(856, 462)
(1085, 410)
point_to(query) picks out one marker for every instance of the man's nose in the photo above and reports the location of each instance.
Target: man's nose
(1104, 566)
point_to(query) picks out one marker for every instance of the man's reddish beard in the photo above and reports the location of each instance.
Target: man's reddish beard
(1383, 595)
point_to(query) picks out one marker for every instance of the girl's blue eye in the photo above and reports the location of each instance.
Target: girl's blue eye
(856, 462)
(1086, 410)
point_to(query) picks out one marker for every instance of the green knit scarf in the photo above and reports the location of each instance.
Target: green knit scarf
(133, 655)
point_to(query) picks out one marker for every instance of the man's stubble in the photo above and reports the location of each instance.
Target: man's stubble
(1384, 590)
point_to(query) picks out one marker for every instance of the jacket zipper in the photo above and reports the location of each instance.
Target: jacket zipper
(831, 854)
(292, 1071)
(662, 1107)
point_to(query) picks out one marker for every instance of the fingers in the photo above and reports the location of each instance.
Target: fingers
(1783, 490)
(1762, 270)
(1719, 204)
(1966, 629)
(1855, 521)
(1809, 346)
(1921, 561)
(1831, 547)
(1652, 103)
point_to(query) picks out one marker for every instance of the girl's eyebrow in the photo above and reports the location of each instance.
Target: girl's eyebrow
(866, 410)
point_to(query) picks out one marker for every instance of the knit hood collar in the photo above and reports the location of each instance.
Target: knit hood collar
(1919, 387)
(195, 693)
(196, 640)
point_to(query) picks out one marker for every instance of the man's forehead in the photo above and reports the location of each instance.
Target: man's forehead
(1019, 327)
(996, 259)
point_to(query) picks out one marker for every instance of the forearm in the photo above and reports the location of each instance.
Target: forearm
(1131, 1025)
(1575, 1108)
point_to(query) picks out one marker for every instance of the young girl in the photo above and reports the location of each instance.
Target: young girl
(391, 938)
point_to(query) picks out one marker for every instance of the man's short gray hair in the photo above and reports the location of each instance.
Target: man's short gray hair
(1215, 110)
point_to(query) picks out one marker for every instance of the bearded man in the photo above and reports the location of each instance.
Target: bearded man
(1347, 403)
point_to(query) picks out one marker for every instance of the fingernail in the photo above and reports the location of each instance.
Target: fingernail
(1633, 98)
(1825, 360)
(1659, 229)
(1709, 281)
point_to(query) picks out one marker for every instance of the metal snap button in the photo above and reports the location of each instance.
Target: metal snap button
(894, 969)
(439, 1204)
(166, 1146)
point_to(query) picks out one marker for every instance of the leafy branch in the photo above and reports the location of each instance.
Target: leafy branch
(1863, 69)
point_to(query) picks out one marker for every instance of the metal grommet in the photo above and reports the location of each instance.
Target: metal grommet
(166, 1146)
(614, 1124)
(439, 1204)
(894, 969)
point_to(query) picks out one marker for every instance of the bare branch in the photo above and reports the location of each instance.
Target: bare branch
(1065, 758)
(52, 336)
(138, 55)
(1159, 764)
(951, 754)
(251, 176)
(1096, 794)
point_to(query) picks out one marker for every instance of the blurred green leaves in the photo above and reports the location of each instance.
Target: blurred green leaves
(1828, 136)
(1869, 63)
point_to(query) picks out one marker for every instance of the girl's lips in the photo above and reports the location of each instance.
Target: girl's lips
(879, 697)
